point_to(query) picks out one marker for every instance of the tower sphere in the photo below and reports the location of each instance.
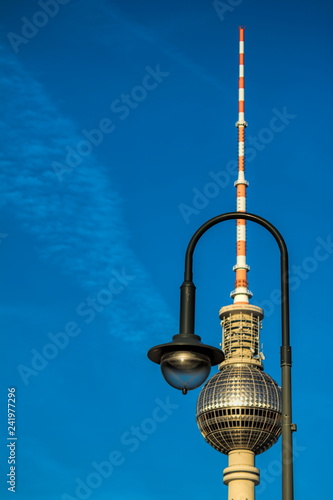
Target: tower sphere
(240, 408)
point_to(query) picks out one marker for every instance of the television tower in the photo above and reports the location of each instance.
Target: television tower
(239, 408)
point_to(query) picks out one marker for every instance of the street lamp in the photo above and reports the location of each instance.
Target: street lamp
(185, 362)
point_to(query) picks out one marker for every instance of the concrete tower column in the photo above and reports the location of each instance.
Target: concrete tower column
(241, 475)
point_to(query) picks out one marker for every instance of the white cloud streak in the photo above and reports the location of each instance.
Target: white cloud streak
(78, 222)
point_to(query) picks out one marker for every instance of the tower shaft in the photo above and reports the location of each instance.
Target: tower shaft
(241, 324)
(241, 475)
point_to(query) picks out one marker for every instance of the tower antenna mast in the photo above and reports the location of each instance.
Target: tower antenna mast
(241, 294)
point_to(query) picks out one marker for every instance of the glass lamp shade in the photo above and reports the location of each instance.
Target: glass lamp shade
(185, 370)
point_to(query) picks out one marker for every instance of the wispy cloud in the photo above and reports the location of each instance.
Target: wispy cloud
(79, 222)
(132, 31)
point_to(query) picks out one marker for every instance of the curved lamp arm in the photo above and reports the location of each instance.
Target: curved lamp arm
(188, 272)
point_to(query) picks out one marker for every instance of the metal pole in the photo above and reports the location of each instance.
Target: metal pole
(287, 427)
(187, 307)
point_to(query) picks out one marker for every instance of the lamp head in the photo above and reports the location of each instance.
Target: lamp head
(186, 361)
(185, 370)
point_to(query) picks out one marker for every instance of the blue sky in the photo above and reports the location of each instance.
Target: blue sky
(117, 119)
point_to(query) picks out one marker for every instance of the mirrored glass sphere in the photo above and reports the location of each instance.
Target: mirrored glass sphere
(185, 370)
(240, 408)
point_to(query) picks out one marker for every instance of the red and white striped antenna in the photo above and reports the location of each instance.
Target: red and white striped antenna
(241, 293)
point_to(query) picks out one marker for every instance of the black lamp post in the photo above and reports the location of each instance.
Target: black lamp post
(185, 361)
